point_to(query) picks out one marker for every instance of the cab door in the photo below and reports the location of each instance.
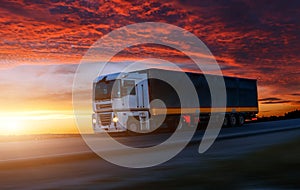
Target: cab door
(142, 94)
(129, 94)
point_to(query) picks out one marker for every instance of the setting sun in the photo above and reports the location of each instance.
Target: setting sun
(10, 126)
(44, 44)
(36, 122)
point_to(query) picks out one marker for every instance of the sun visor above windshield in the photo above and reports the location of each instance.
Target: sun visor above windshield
(107, 77)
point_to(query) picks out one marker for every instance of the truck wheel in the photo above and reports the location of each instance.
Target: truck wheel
(233, 120)
(241, 120)
(225, 122)
(133, 127)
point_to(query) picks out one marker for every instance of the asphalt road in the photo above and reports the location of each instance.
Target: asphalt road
(69, 163)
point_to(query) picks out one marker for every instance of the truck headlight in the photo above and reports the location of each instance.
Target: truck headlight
(94, 121)
(115, 119)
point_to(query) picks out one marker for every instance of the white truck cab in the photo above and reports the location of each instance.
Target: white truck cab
(121, 102)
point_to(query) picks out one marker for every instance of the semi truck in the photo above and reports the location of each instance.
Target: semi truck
(123, 102)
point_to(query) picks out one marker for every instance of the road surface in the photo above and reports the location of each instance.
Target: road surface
(64, 163)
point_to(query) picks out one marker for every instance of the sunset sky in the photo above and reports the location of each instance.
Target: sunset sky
(42, 43)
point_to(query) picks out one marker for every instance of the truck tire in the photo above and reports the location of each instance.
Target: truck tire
(133, 127)
(225, 122)
(233, 120)
(241, 120)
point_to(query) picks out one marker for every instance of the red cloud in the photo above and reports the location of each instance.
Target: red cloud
(248, 39)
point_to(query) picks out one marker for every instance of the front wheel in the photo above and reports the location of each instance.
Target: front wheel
(133, 127)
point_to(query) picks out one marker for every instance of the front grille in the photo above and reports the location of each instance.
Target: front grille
(104, 106)
(105, 119)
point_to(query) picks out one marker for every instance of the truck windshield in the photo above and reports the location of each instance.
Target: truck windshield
(107, 89)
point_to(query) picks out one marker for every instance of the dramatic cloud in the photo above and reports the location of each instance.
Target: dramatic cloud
(295, 94)
(249, 39)
(274, 100)
(270, 99)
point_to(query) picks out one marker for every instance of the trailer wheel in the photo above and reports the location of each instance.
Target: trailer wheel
(133, 126)
(241, 120)
(225, 122)
(233, 120)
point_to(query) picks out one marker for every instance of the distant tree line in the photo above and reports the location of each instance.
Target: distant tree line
(289, 115)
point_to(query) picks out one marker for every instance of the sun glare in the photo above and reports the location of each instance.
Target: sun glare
(10, 126)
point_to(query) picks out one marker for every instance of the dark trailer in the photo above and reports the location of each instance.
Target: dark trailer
(241, 96)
